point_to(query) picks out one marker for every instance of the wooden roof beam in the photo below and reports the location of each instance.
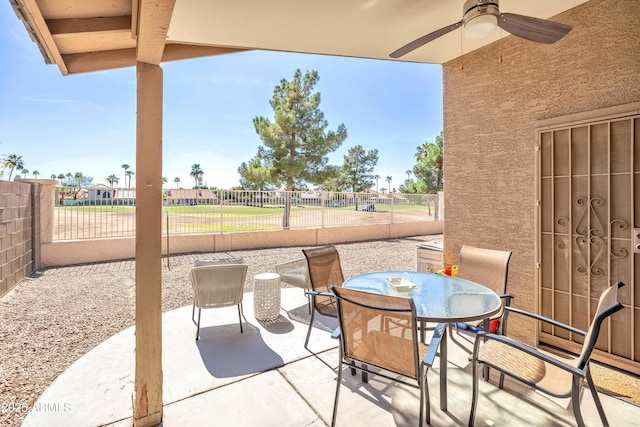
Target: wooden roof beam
(29, 12)
(112, 59)
(89, 25)
(154, 17)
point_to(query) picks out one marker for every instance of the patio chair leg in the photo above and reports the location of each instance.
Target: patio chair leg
(474, 393)
(425, 404)
(421, 402)
(198, 327)
(335, 403)
(575, 400)
(240, 318)
(364, 374)
(596, 399)
(193, 311)
(306, 342)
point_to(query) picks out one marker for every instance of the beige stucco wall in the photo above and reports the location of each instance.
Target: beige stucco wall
(491, 111)
(85, 251)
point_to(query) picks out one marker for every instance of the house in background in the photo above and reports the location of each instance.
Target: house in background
(182, 197)
(100, 192)
(125, 196)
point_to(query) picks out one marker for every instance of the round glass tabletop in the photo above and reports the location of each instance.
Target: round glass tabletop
(437, 298)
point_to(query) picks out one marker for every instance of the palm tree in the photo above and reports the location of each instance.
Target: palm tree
(13, 161)
(125, 167)
(129, 174)
(164, 180)
(196, 173)
(408, 172)
(377, 177)
(388, 179)
(24, 172)
(35, 174)
(78, 177)
(177, 181)
(112, 179)
(54, 176)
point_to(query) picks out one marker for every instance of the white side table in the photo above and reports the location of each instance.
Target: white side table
(266, 296)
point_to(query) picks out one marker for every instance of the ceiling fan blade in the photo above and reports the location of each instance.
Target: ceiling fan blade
(534, 29)
(424, 40)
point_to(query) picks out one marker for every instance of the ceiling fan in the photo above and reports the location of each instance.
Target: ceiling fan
(481, 17)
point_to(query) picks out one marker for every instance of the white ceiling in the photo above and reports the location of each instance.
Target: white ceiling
(93, 35)
(358, 28)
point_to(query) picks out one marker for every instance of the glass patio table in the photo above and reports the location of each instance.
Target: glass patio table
(439, 299)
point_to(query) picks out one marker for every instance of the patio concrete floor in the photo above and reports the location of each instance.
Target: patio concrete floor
(265, 377)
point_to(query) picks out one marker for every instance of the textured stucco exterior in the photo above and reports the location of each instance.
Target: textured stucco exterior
(492, 111)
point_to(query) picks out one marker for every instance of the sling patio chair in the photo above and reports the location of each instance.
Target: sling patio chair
(489, 268)
(324, 270)
(218, 285)
(554, 375)
(295, 273)
(381, 332)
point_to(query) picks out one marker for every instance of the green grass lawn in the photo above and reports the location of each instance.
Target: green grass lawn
(230, 211)
(216, 210)
(98, 208)
(183, 210)
(215, 228)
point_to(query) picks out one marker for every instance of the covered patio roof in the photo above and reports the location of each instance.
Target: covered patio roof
(82, 36)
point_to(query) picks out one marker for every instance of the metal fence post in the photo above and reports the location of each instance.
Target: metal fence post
(221, 197)
(168, 252)
(392, 205)
(323, 208)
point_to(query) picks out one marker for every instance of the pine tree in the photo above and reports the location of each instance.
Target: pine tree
(297, 143)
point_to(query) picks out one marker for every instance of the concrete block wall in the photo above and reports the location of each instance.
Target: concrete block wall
(16, 233)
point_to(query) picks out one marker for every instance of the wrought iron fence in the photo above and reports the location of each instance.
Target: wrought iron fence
(90, 213)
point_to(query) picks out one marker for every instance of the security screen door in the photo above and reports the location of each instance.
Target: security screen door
(589, 232)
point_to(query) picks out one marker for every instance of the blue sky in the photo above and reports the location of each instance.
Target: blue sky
(86, 123)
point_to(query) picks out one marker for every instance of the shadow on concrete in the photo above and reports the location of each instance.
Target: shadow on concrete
(228, 353)
(301, 314)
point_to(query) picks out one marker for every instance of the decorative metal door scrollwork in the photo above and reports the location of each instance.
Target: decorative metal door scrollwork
(591, 238)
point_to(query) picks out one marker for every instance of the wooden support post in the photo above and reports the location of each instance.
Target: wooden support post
(147, 409)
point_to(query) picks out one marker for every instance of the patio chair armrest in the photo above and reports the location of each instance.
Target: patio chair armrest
(546, 320)
(322, 294)
(485, 336)
(439, 331)
(507, 298)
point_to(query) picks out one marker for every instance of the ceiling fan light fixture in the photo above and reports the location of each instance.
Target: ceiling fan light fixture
(480, 18)
(480, 26)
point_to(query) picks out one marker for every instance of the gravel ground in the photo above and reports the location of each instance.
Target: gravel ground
(53, 318)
